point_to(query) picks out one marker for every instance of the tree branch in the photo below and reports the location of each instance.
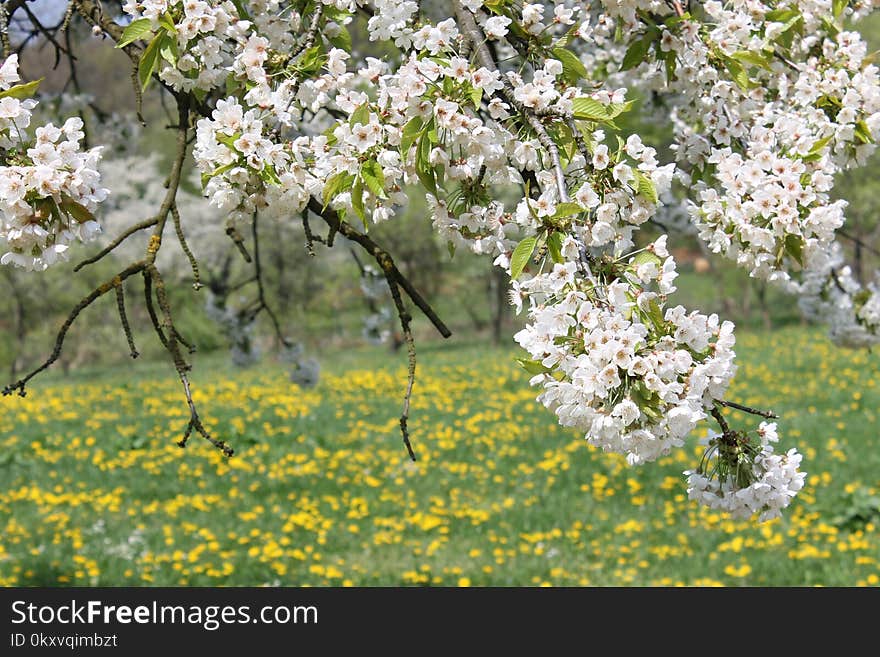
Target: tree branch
(477, 41)
(331, 217)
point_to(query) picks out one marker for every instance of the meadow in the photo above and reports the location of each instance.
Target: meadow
(94, 490)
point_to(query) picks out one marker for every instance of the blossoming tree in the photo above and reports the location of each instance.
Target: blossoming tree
(505, 116)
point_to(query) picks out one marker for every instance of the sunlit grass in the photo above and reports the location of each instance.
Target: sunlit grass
(94, 491)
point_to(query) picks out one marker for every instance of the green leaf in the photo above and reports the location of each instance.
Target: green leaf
(357, 199)
(341, 40)
(837, 7)
(335, 185)
(134, 31)
(229, 140)
(76, 210)
(22, 91)
(646, 256)
(863, 134)
(794, 25)
(752, 59)
(780, 15)
(636, 53)
(645, 187)
(616, 109)
(167, 22)
(242, 12)
(360, 115)
(573, 68)
(216, 172)
(655, 314)
(149, 61)
(819, 145)
(424, 170)
(521, 255)
(373, 176)
(411, 132)
(168, 49)
(476, 95)
(589, 109)
(554, 246)
(566, 210)
(738, 74)
(311, 60)
(533, 366)
(671, 65)
(794, 246)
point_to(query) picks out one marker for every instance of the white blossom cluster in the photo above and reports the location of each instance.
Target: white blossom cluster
(747, 479)
(204, 35)
(761, 136)
(634, 378)
(49, 187)
(829, 293)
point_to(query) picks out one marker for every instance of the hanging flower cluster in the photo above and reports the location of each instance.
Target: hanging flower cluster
(741, 474)
(635, 376)
(49, 187)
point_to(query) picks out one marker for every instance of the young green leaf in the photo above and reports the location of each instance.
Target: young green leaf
(411, 132)
(521, 255)
(645, 187)
(134, 31)
(573, 68)
(168, 49)
(360, 115)
(589, 109)
(643, 257)
(738, 74)
(22, 91)
(357, 199)
(149, 61)
(374, 178)
(636, 53)
(554, 246)
(76, 210)
(752, 59)
(567, 209)
(819, 145)
(533, 366)
(794, 246)
(335, 185)
(341, 40)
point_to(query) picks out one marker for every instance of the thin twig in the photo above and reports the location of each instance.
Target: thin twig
(748, 409)
(238, 240)
(123, 318)
(84, 303)
(405, 319)
(261, 292)
(128, 232)
(725, 428)
(175, 216)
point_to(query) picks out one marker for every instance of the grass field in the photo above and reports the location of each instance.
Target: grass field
(94, 491)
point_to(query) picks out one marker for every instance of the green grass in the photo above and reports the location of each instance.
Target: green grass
(93, 490)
